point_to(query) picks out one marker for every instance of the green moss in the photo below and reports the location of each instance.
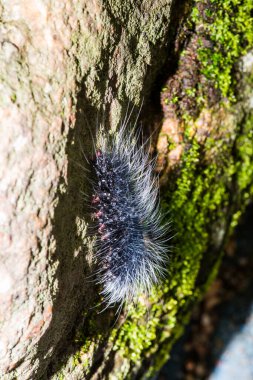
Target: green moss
(80, 355)
(244, 167)
(221, 34)
(13, 98)
(228, 25)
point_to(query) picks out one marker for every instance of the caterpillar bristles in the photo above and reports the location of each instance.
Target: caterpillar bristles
(131, 250)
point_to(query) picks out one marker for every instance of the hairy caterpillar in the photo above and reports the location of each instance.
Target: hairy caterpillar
(131, 245)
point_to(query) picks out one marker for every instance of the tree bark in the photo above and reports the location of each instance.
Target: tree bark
(64, 65)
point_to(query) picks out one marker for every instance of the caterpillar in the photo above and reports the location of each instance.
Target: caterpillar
(131, 249)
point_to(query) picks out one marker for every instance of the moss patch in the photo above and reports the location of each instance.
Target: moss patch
(228, 26)
(220, 33)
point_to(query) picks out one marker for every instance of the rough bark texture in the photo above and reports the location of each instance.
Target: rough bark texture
(60, 62)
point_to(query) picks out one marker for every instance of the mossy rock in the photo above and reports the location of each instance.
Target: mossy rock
(205, 160)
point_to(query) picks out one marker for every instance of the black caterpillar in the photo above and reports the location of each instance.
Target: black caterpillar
(131, 247)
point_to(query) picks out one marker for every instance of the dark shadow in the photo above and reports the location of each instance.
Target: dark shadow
(77, 300)
(74, 293)
(77, 316)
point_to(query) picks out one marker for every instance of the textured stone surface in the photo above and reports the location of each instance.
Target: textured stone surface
(52, 55)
